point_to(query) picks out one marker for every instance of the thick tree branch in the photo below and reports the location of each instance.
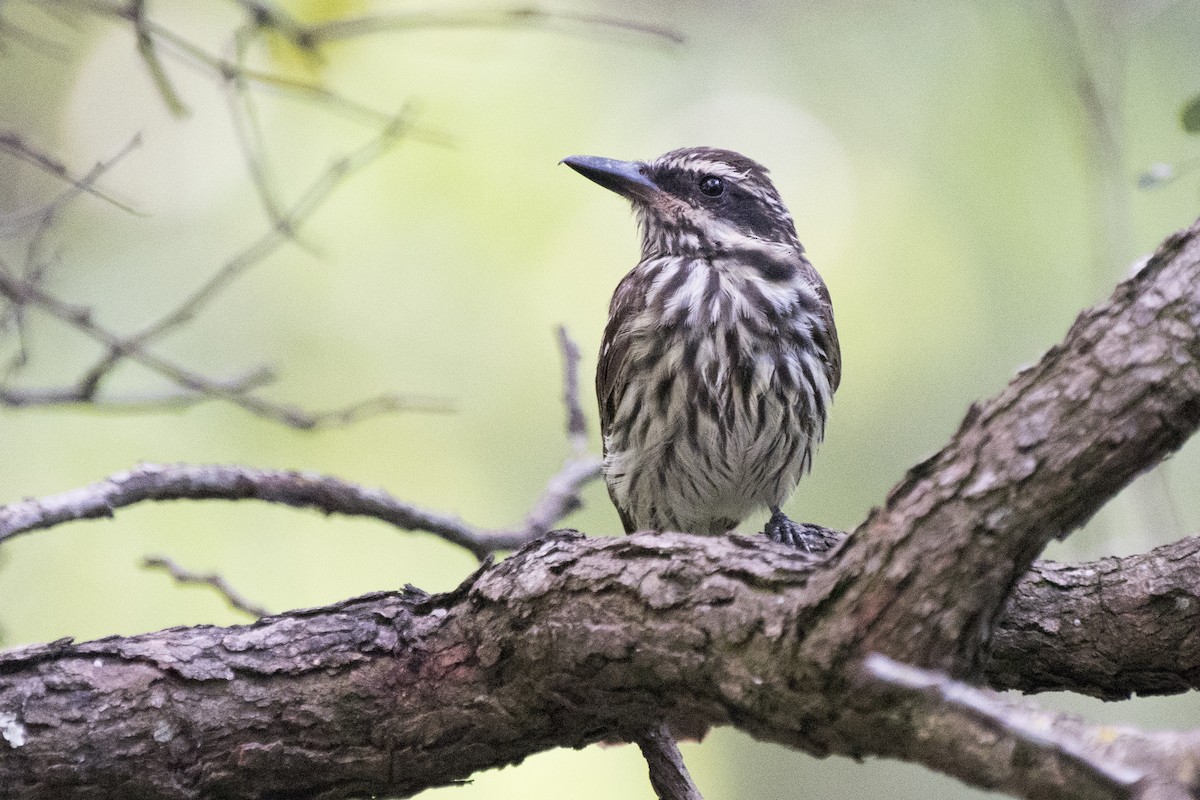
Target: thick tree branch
(570, 641)
(1109, 628)
(924, 577)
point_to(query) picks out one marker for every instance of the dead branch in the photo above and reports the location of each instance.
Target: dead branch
(939, 711)
(12, 144)
(1109, 628)
(668, 774)
(212, 580)
(322, 492)
(570, 641)
(576, 419)
(24, 291)
(156, 42)
(80, 318)
(924, 577)
(354, 27)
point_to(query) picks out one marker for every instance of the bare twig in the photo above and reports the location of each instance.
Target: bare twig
(154, 65)
(35, 267)
(80, 318)
(561, 495)
(22, 292)
(244, 113)
(312, 199)
(301, 489)
(221, 586)
(45, 215)
(222, 69)
(354, 27)
(668, 774)
(269, 15)
(15, 146)
(85, 393)
(576, 421)
(946, 709)
(31, 40)
(325, 493)
(155, 41)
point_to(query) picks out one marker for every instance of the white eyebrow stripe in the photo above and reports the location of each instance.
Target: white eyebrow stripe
(708, 167)
(702, 166)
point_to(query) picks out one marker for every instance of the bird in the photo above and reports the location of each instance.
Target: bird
(720, 357)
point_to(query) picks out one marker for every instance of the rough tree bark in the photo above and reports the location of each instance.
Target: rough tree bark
(575, 640)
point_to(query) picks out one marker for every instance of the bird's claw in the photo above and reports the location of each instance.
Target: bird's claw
(802, 536)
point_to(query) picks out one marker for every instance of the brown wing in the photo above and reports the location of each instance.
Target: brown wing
(833, 351)
(613, 366)
(829, 341)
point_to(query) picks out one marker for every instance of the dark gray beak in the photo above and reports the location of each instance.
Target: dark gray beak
(626, 178)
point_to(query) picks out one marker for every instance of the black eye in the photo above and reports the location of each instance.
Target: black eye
(712, 186)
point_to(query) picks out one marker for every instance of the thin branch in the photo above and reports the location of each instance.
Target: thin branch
(270, 16)
(120, 347)
(32, 41)
(248, 131)
(154, 65)
(82, 393)
(222, 69)
(668, 774)
(34, 270)
(15, 146)
(80, 318)
(324, 493)
(355, 27)
(559, 499)
(576, 420)
(1032, 741)
(305, 490)
(312, 199)
(214, 581)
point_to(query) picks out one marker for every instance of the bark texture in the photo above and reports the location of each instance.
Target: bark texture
(1110, 628)
(569, 642)
(925, 575)
(573, 640)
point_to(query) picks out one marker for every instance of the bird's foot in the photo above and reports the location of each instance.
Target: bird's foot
(801, 535)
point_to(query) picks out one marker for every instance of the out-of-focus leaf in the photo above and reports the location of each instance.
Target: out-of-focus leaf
(1190, 116)
(1156, 175)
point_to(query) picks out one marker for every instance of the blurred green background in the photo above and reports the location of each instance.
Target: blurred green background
(963, 174)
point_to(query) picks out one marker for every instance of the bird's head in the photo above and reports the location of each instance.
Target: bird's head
(696, 199)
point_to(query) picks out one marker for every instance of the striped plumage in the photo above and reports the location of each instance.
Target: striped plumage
(720, 357)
